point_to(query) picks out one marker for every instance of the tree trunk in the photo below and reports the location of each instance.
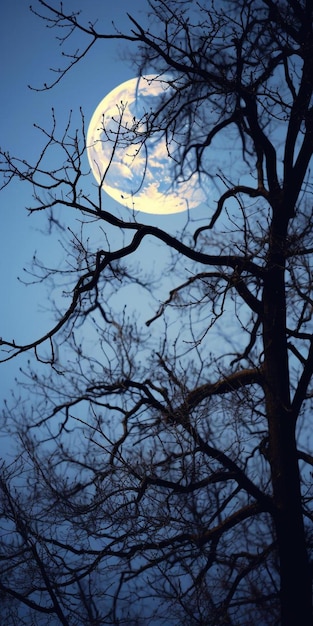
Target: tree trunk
(296, 592)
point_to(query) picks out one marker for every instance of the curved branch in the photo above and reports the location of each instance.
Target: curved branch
(232, 193)
(230, 383)
(88, 281)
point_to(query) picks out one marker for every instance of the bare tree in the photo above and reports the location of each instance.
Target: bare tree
(169, 473)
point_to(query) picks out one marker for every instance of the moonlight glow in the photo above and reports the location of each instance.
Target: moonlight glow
(138, 175)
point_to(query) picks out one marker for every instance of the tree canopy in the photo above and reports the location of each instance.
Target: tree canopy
(164, 468)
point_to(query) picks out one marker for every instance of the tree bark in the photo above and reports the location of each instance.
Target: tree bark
(295, 592)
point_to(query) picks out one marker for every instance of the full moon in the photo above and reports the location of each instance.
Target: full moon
(133, 167)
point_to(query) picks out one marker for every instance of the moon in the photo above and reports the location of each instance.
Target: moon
(131, 166)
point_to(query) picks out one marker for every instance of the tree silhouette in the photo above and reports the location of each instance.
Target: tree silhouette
(169, 474)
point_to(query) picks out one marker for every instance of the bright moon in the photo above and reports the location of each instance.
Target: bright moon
(138, 175)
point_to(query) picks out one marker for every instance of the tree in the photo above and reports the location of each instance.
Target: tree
(170, 472)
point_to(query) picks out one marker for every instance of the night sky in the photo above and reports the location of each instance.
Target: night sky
(28, 50)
